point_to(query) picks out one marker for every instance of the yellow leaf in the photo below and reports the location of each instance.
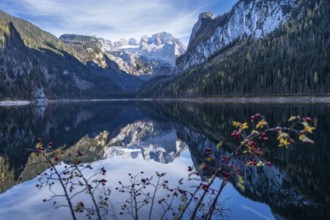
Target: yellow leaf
(240, 182)
(308, 128)
(283, 139)
(38, 145)
(236, 124)
(255, 132)
(202, 166)
(244, 126)
(305, 139)
(240, 179)
(283, 142)
(261, 164)
(302, 137)
(219, 145)
(261, 124)
(292, 118)
(241, 186)
(282, 135)
(57, 151)
(209, 159)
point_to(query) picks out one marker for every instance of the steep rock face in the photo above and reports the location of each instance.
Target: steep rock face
(31, 35)
(31, 58)
(254, 18)
(87, 49)
(203, 18)
(94, 53)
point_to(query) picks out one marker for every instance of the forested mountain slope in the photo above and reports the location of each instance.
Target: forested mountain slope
(31, 59)
(291, 60)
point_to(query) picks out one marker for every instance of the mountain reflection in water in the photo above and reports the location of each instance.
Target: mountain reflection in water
(169, 137)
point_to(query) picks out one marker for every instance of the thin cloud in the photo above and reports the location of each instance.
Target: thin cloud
(114, 19)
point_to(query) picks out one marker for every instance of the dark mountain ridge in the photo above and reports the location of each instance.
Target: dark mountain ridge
(45, 64)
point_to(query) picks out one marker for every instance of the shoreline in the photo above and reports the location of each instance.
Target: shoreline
(233, 100)
(14, 102)
(260, 100)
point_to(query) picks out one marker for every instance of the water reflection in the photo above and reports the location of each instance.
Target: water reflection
(155, 141)
(296, 187)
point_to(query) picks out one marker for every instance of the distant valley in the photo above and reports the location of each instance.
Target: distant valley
(128, 63)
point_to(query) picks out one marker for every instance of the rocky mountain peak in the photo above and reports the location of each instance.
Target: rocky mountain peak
(161, 38)
(121, 43)
(203, 17)
(133, 42)
(161, 46)
(254, 18)
(124, 44)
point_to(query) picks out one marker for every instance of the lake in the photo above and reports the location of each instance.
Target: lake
(166, 137)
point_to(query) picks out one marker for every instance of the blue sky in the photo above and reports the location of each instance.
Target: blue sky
(115, 19)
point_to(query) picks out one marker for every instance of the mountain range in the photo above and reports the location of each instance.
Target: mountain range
(127, 62)
(75, 66)
(258, 48)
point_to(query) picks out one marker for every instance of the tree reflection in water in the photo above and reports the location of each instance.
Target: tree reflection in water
(295, 187)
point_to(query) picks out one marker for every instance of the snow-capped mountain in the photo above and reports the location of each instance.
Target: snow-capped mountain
(126, 62)
(162, 46)
(254, 18)
(149, 139)
(108, 45)
(152, 56)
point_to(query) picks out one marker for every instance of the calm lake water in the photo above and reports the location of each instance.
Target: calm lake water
(166, 137)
